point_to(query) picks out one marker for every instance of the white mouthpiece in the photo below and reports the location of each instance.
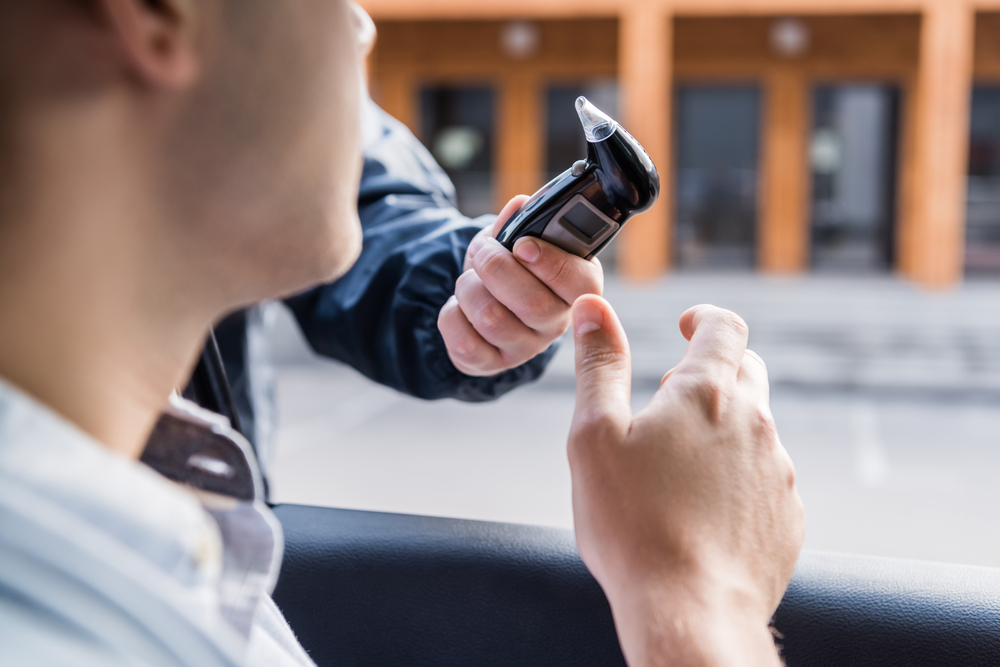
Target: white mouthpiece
(597, 125)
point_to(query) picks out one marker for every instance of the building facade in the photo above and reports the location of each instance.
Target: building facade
(790, 135)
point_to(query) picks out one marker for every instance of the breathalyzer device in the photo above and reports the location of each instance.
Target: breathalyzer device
(582, 209)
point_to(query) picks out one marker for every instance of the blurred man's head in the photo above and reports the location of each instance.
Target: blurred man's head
(163, 162)
(227, 128)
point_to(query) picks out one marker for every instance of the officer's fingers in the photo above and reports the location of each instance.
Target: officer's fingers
(492, 229)
(515, 203)
(495, 322)
(485, 233)
(569, 276)
(470, 353)
(521, 292)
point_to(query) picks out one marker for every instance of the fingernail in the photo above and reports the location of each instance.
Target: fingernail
(477, 245)
(527, 250)
(587, 317)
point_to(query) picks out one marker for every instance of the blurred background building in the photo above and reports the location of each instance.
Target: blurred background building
(791, 136)
(841, 143)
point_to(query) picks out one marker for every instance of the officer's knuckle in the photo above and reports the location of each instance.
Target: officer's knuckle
(559, 322)
(492, 317)
(492, 264)
(447, 313)
(559, 271)
(463, 282)
(465, 348)
(550, 314)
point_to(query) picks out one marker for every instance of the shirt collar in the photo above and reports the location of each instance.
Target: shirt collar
(198, 528)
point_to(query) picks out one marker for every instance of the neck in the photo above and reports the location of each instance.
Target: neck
(94, 322)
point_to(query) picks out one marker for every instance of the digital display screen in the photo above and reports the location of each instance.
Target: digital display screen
(585, 221)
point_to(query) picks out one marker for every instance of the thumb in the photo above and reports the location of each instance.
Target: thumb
(603, 369)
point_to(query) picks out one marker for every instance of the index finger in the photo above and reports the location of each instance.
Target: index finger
(718, 339)
(494, 227)
(508, 210)
(567, 275)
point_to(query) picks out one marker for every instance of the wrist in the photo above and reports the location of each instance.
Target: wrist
(691, 624)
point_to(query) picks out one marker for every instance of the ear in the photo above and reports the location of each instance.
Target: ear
(157, 38)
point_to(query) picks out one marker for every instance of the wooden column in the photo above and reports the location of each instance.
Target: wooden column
(906, 199)
(395, 92)
(645, 82)
(935, 243)
(520, 137)
(783, 231)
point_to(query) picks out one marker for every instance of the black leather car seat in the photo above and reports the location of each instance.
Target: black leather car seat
(364, 588)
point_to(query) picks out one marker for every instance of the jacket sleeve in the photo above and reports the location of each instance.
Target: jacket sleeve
(381, 317)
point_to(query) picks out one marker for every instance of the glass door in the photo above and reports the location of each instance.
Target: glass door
(718, 137)
(982, 226)
(853, 157)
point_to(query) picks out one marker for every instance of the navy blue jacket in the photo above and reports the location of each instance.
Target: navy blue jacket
(381, 317)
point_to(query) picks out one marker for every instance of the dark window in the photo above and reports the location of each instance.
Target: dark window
(853, 162)
(982, 246)
(718, 130)
(457, 125)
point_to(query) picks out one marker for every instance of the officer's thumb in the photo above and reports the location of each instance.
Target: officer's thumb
(603, 369)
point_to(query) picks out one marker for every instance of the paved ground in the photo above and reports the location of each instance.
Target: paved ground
(885, 395)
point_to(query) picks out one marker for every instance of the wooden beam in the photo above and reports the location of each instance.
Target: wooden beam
(520, 137)
(488, 9)
(541, 9)
(538, 9)
(936, 240)
(794, 7)
(645, 84)
(783, 238)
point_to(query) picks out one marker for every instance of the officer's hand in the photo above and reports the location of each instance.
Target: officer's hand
(687, 513)
(508, 308)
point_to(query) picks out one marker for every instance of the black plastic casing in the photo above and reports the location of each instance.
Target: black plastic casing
(620, 180)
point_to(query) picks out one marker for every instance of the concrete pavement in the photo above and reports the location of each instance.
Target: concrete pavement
(829, 333)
